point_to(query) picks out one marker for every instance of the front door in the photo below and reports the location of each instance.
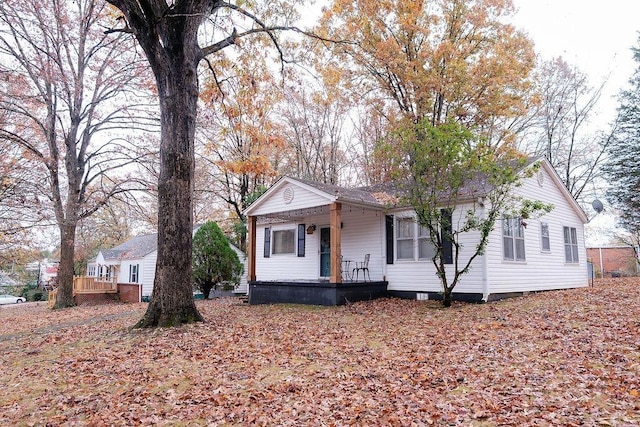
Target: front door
(325, 252)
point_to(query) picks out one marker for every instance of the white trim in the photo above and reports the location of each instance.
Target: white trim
(282, 182)
(567, 195)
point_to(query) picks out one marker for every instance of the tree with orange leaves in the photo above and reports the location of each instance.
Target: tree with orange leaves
(241, 140)
(435, 60)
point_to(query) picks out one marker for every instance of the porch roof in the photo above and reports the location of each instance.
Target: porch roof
(323, 195)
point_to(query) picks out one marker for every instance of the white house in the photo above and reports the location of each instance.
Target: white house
(134, 263)
(306, 238)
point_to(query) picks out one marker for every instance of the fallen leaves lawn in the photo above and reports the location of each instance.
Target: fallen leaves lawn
(554, 358)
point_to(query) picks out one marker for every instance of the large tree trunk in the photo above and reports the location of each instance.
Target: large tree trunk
(172, 301)
(64, 297)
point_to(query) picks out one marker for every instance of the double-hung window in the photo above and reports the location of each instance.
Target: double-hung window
(512, 239)
(134, 273)
(570, 245)
(545, 243)
(405, 232)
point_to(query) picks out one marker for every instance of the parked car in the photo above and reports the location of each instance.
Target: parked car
(10, 299)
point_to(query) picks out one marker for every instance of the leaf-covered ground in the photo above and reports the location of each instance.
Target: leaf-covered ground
(555, 358)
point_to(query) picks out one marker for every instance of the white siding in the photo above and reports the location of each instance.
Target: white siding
(302, 198)
(420, 275)
(362, 233)
(243, 287)
(148, 272)
(99, 259)
(289, 266)
(123, 270)
(541, 270)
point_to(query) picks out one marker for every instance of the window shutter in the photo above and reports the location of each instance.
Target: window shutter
(130, 271)
(267, 242)
(301, 239)
(445, 231)
(389, 237)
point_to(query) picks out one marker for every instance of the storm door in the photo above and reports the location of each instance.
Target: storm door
(325, 252)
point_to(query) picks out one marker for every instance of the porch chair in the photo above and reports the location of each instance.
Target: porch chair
(364, 267)
(344, 268)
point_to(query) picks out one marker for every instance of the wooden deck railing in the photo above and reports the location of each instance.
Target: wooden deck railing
(51, 299)
(86, 285)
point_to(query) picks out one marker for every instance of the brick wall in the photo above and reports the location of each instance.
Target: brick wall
(91, 299)
(129, 292)
(617, 261)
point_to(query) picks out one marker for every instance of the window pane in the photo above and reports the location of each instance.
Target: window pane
(546, 244)
(575, 253)
(405, 249)
(506, 227)
(518, 228)
(567, 237)
(574, 236)
(544, 232)
(283, 241)
(507, 244)
(426, 249)
(568, 256)
(520, 250)
(544, 229)
(423, 232)
(405, 228)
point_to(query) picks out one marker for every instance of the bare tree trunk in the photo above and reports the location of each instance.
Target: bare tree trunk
(447, 298)
(64, 297)
(172, 300)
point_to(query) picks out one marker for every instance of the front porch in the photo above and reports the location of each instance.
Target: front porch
(313, 243)
(314, 292)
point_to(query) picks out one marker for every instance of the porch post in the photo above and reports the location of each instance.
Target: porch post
(251, 249)
(336, 251)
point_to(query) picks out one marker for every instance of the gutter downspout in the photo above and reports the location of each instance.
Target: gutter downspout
(485, 279)
(485, 271)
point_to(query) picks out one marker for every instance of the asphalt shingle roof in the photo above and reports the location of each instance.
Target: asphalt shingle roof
(345, 194)
(135, 248)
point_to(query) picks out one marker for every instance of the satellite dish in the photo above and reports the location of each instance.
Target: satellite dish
(597, 206)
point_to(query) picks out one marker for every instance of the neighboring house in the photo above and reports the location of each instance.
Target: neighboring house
(134, 263)
(305, 239)
(614, 261)
(47, 273)
(243, 287)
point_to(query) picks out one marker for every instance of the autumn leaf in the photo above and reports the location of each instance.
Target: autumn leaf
(565, 358)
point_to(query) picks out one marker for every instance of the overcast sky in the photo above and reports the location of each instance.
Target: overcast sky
(597, 38)
(594, 36)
